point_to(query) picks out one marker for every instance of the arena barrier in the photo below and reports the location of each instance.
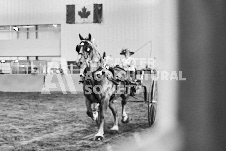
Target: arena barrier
(40, 83)
(67, 83)
(21, 83)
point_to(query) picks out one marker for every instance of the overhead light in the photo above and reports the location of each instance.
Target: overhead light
(55, 25)
(27, 26)
(16, 28)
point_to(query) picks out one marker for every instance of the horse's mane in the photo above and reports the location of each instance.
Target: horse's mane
(97, 53)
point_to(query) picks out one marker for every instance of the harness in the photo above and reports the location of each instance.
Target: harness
(101, 68)
(92, 61)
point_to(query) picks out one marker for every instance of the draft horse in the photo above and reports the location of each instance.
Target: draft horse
(98, 86)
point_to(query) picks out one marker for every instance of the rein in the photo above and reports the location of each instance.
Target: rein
(92, 61)
(99, 64)
(92, 58)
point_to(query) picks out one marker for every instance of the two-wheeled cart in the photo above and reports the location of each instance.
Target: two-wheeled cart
(147, 82)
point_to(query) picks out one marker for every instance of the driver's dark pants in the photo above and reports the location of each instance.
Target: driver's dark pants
(131, 75)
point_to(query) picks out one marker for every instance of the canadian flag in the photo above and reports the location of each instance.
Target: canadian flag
(84, 14)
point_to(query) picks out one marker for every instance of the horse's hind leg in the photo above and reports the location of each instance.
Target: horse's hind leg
(115, 114)
(125, 117)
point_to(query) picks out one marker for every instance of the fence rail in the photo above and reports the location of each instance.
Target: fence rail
(12, 68)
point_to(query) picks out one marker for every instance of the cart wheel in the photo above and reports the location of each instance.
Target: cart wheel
(152, 104)
(151, 113)
(145, 93)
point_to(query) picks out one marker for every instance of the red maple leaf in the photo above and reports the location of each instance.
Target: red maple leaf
(84, 13)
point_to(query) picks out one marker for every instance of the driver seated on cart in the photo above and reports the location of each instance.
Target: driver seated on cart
(128, 64)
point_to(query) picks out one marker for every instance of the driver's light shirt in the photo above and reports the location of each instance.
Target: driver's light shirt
(128, 64)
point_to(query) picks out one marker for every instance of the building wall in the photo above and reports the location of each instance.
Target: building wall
(125, 23)
(22, 12)
(30, 47)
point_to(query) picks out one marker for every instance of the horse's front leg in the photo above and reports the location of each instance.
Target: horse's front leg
(115, 114)
(89, 109)
(103, 109)
(125, 117)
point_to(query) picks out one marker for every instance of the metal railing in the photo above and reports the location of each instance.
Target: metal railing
(37, 69)
(16, 68)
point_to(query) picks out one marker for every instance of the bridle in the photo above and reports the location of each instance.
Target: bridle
(89, 55)
(92, 58)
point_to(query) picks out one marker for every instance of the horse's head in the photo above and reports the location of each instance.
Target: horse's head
(88, 54)
(84, 49)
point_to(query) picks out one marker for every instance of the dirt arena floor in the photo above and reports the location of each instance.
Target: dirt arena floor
(58, 122)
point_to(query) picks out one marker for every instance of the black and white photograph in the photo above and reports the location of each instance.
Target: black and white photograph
(112, 75)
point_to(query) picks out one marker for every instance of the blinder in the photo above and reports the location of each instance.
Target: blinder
(78, 48)
(87, 48)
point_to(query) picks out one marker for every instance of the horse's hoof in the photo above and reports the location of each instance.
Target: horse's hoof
(126, 121)
(114, 132)
(114, 128)
(98, 138)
